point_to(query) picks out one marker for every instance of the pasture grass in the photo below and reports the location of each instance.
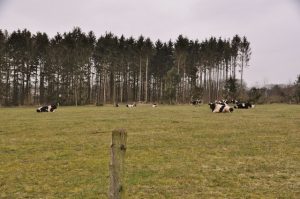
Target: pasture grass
(173, 152)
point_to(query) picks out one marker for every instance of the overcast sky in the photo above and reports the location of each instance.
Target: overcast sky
(271, 26)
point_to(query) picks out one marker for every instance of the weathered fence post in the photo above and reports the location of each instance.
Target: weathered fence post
(116, 167)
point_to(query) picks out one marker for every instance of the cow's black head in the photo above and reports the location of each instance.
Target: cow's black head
(212, 106)
(249, 105)
(53, 107)
(234, 101)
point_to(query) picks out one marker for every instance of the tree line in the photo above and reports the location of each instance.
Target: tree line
(284, 93)
(77, 68)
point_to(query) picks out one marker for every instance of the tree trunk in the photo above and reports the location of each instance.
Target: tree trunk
(15, 87)
(184, 85)
(128, 93)
(161, 91)
(89, 90)
(75, 91)
(7, 85)
(242, 70)
(177, 86)
(28, 87)
(121, 86)
(209, 84)
(104, 89)
(114, 89)
(140, 80)
(42, 89)
(146, 82)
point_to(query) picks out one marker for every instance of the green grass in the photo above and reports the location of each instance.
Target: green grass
(172, 152)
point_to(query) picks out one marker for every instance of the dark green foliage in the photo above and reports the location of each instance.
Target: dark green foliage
(254, 94)
(231, 88)
(297, 89)
(172, 79)
(275, 94)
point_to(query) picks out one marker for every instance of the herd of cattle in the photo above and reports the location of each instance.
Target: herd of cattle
(216, 107)
(223, 106)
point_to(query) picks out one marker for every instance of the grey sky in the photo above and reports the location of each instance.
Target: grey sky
(272, 26)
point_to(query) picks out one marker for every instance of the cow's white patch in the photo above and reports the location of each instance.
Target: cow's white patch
(217, 108)
(130, 105)
(222, 108)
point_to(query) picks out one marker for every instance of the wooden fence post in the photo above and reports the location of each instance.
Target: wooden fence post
(116, 167)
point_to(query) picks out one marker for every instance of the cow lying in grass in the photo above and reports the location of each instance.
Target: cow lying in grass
(131, 105)
(49, 108)
(243, 105)
(196, 102)
(220, 108)
(154, 105)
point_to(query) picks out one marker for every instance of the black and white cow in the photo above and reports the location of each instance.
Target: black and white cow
(196, 102)
(154, 105)
(48, 108)
(220, 108)
(243, 105)
(131, 105)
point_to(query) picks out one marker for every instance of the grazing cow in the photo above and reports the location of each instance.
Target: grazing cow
(243, 105)
(49, 108)
(154, 105)
(131, 105)
(220, 108)
(116, 105)
(196, 102)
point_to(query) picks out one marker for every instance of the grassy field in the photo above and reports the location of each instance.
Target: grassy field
(173, 152)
